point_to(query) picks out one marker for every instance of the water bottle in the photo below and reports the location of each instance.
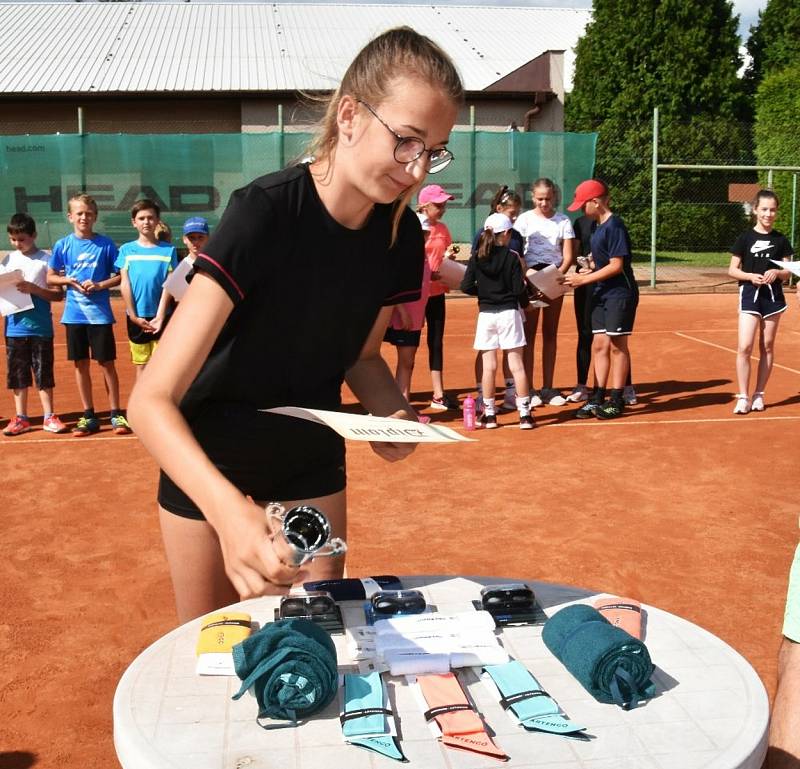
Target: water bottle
(469, 413)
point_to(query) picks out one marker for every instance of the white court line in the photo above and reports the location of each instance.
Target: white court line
(56, 441)
(619, 422)
(729, 349)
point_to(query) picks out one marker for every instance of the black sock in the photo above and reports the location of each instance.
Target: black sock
(116, 413)
(89, 414)
(616, 396)
(599, 395)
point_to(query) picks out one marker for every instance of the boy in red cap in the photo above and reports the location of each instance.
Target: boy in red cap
(614, 301)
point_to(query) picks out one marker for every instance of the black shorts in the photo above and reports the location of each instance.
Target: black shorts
(26, 354)
(271, 457)
(614, 312)
(99, 338)
(763, 300)
(138, 335)
(401, 337)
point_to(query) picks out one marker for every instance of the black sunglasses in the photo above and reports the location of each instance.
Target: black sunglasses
(311, 604)
(391, 602)
(515, 596)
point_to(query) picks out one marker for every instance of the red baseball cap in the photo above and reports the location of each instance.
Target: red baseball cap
(433, 193)
(585, 191)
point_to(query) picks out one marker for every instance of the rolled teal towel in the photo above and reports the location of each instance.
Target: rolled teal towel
(291, 665)
(610, 664)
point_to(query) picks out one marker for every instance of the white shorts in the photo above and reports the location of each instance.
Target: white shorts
(504, 329)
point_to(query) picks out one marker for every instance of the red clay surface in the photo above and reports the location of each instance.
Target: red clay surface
(680, 504)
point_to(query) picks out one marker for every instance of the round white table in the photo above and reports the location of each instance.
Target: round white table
(711, 710)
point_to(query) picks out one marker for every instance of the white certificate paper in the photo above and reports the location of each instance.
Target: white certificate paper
(452, 273)
(11, 300)
(793, 267)
(176, 282)
(550, 281)
(365, 427)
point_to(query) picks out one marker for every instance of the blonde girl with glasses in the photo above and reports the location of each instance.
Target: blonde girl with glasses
(290, 299)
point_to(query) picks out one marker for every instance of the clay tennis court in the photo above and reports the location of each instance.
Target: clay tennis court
(680, 504)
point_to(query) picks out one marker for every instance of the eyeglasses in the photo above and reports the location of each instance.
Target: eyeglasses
(398, 602)
(411, 148)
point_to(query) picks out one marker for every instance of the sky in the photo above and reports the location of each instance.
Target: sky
(747, 9)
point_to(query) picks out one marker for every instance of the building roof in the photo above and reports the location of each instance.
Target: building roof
(140, 47)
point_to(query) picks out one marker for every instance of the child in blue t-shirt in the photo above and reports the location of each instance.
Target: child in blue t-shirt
(29, 333)
(144, 265)
(84, 262)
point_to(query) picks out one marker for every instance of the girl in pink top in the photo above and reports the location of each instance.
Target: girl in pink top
(438, 247)
(405, 327)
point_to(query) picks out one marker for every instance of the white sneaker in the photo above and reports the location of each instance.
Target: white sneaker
(629, 396)
(757, 404)
(742, 404)
(579, 394)
(553, 397)
(536, 401)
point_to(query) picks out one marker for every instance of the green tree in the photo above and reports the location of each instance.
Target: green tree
(773, 42)
(681, 56)
(777, 138)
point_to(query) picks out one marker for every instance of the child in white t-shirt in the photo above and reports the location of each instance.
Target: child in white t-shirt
(547, 235)
(29, 333)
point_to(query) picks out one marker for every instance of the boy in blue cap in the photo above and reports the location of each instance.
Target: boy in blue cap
(195, 235)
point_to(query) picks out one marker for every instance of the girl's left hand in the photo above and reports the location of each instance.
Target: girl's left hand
(392, 452)
(770, 276)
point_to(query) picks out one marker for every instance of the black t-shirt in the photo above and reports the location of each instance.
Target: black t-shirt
(306, 291)
(755, 249)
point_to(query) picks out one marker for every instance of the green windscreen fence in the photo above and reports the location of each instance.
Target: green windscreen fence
(195, 174)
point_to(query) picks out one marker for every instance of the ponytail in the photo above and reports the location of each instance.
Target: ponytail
(485, 244)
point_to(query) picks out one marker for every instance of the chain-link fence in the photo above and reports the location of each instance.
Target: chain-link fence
(708, 172)
(195, 174)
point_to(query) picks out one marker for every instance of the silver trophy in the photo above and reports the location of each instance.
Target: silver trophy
(303, 533)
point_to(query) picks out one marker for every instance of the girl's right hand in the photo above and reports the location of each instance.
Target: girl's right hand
(251, 562)
(756, 279)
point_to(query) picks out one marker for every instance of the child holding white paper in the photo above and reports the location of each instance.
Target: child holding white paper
(761, 300)
(494, 275)
(547, 234)
(29, 333)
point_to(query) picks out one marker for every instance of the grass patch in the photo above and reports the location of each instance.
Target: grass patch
(686, 258)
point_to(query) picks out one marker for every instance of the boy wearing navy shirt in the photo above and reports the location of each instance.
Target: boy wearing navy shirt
(144, 265)
(84, 262)
(614, 300)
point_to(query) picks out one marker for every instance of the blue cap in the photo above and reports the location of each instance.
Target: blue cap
(195, 224)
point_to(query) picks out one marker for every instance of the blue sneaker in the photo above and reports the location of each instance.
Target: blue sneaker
(588, 410)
